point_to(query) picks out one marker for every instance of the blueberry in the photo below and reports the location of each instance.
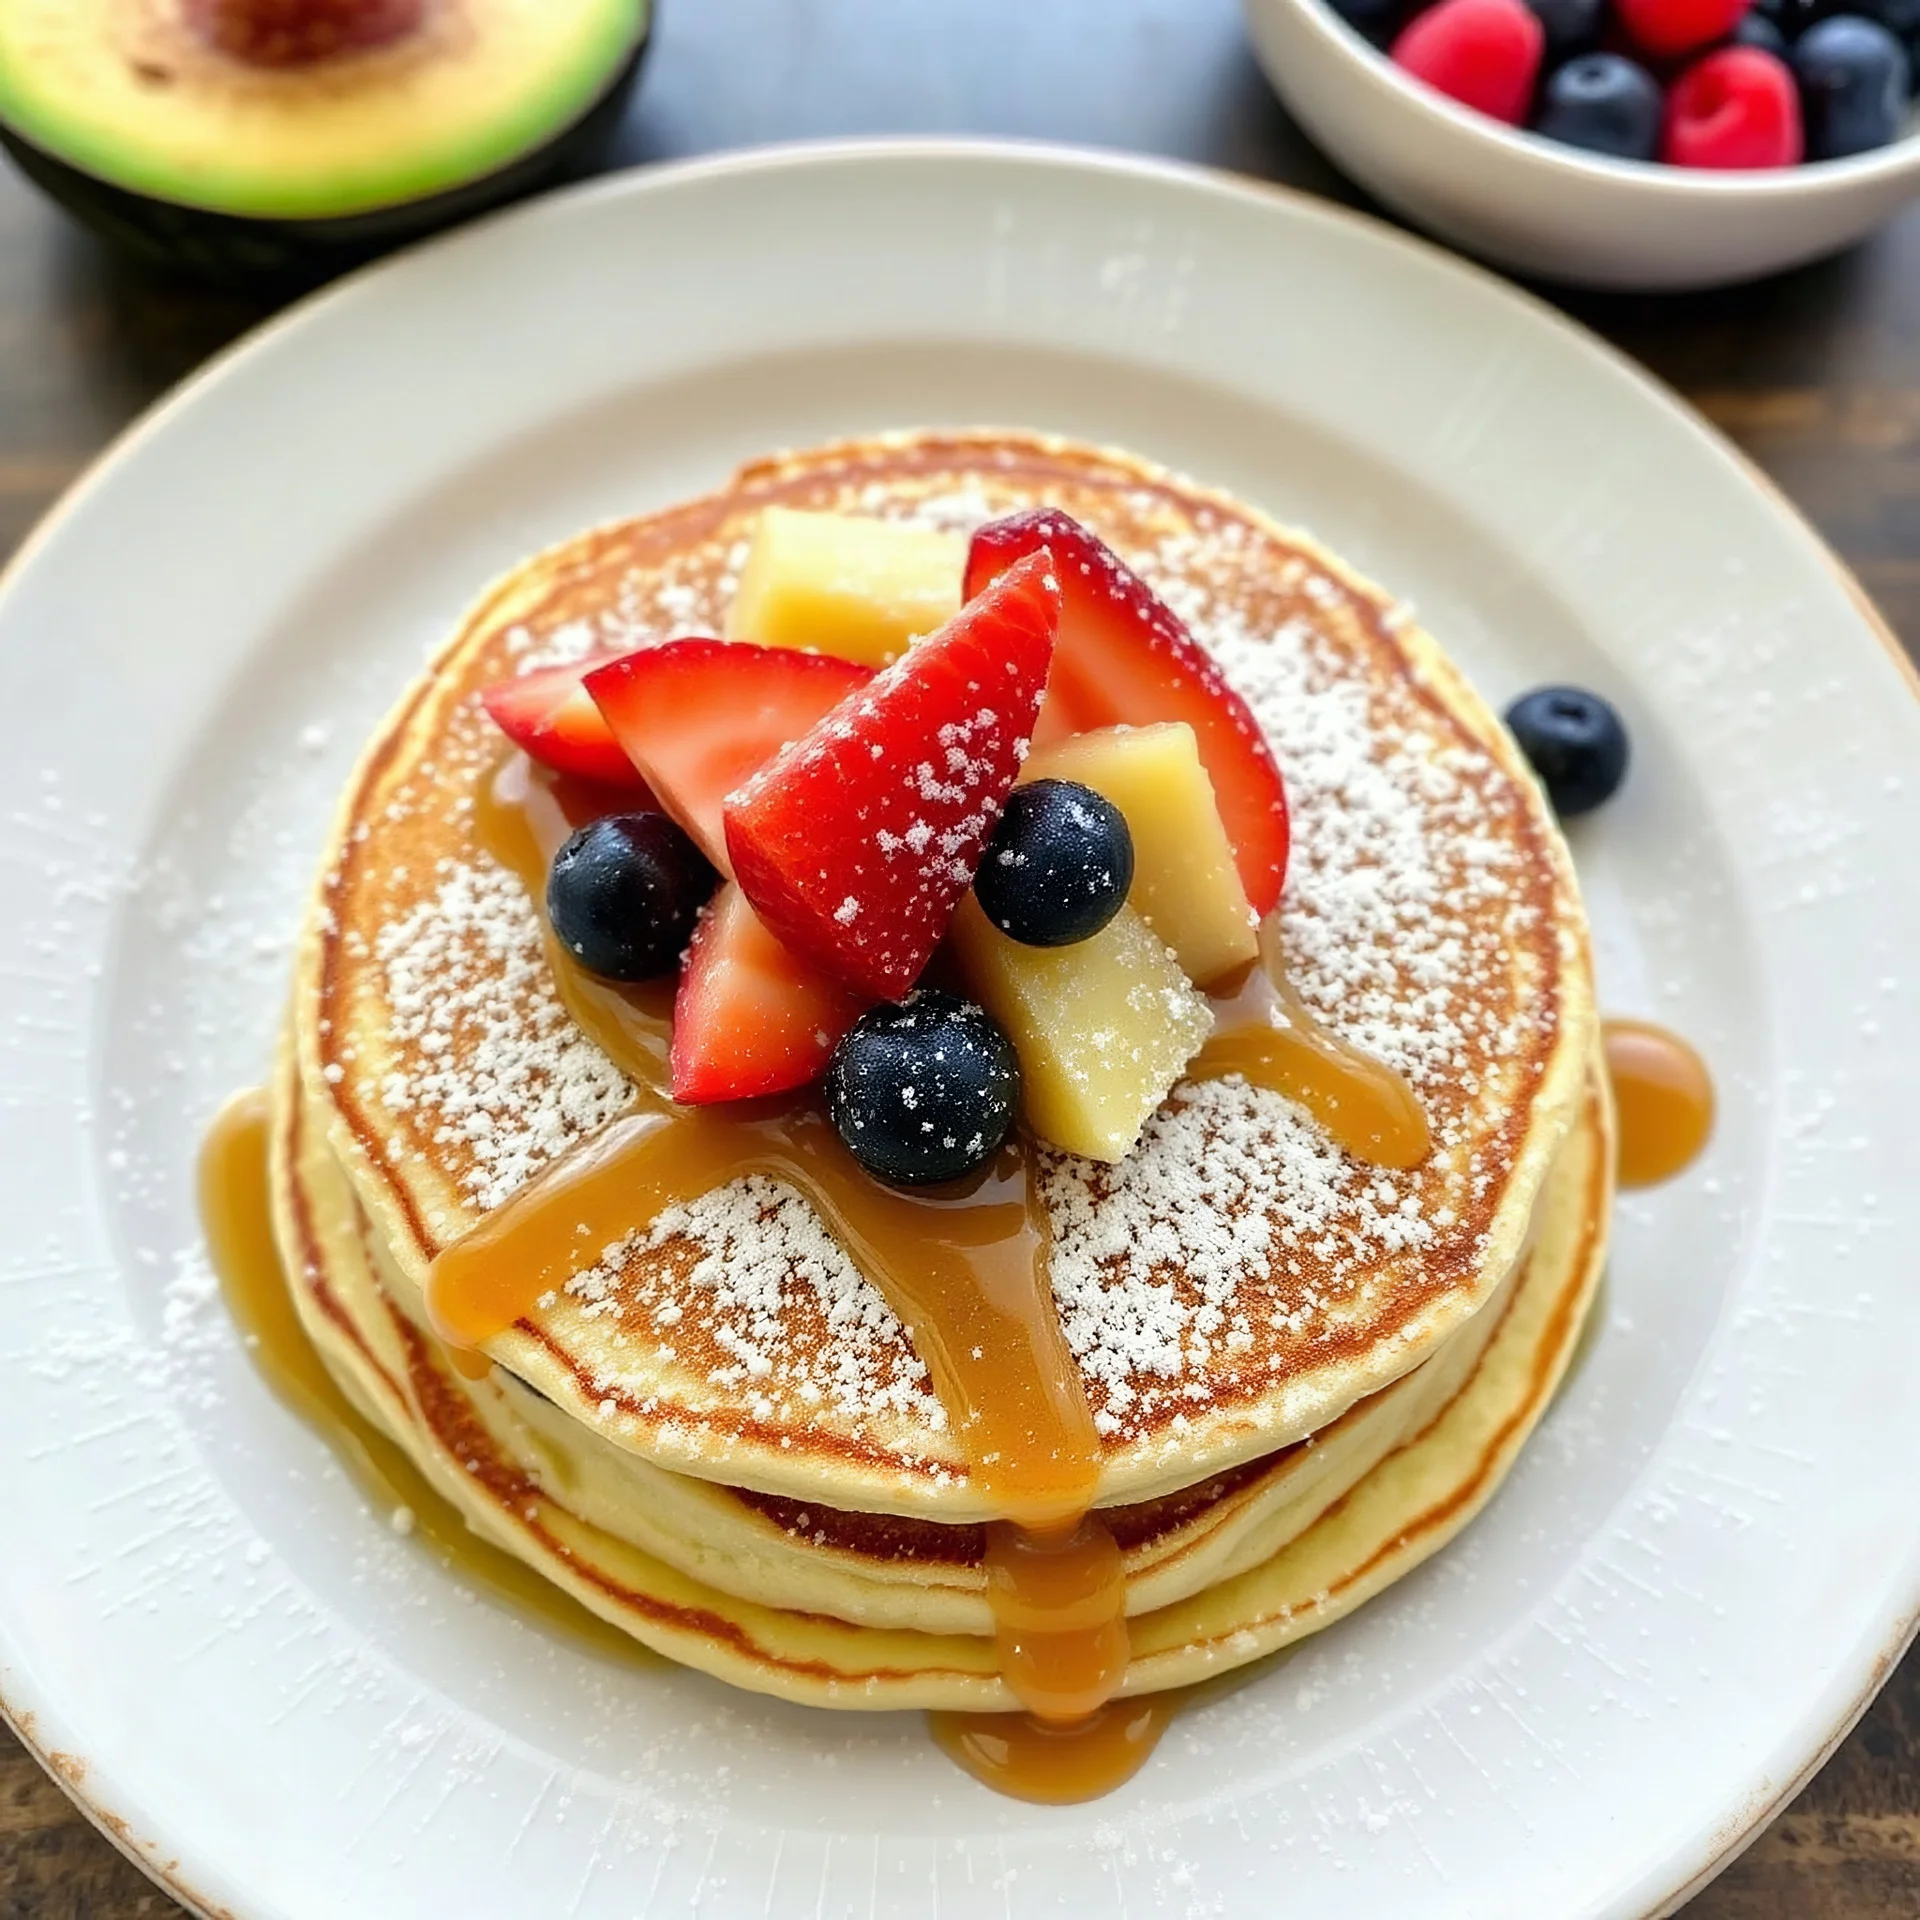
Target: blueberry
(623, 895)
(1901, 18)
(1855, 86)
(1791, 17)
(1605, 103)
(923, 1091)
(1573, 26)
(1576, 744)
(1374, 20)
(1058, 866)
(1756, 30)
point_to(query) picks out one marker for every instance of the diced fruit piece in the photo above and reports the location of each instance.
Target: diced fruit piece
(1737, 108)
(1185, 884)
(1575, 742)
(1058, 866)
(1484, 53)
(550, 717)
(1123, 659)
(1604, 103)
(698, 716)
(1668, 28)
(1855, 86)
(624, 893)
(923, 1091)
(854, 844)
(749, 1019)
(1103, 1029)
(834, 583)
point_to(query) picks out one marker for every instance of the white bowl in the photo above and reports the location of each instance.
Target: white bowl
(1542, 208)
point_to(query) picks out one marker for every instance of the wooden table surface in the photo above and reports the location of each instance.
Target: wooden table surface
(1816, 375)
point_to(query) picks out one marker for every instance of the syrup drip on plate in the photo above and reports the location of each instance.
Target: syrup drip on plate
(1028, 1758)
(236, 1214)
(1663, 1096)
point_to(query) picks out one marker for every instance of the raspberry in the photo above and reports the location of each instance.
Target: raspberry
(1483, 53)
(1666, 28)
(1735, 108)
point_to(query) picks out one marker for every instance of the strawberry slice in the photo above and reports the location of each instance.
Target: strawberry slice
(548, 715)
(1124, 659)
(856, 843)
(698, 716)
(750, 1019)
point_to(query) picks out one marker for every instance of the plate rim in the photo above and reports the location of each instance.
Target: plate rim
(1866, 1667)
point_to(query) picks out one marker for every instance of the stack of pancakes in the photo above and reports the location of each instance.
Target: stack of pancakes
(1306, 1372)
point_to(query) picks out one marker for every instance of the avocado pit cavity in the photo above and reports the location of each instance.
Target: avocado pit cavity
(301, 33)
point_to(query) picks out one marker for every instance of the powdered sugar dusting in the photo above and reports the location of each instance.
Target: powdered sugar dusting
(502, 1075)
(759, 1252)
(1388, 921)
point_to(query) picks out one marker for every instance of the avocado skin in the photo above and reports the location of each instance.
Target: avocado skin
(284, 256)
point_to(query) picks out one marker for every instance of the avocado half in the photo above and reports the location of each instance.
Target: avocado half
(283, 140)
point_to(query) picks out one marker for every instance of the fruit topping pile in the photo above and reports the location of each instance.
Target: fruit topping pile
(960, 830)
(1695, 83)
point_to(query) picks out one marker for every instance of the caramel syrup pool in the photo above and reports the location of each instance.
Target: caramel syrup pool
(237, 1216)
(1663, 1096)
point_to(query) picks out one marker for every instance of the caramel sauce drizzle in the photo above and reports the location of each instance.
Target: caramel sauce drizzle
(1267, 1034)
(237, 1216)
(1663, 1097)
(965, 1268)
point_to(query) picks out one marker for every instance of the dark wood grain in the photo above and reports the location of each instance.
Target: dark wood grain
(1816, 375)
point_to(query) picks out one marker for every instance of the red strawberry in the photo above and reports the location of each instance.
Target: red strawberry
(1484, 53)
(749, 1018)
(548, 716)
(1123, 659)
(1666, 28)
(857, 842)
(1737, 108)
(698, 716)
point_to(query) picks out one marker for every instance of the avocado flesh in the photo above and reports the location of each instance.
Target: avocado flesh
(131, 96)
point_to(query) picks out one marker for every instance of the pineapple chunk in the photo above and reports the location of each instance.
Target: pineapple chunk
(830, 583)
(1186, 885)
(1103, 1028)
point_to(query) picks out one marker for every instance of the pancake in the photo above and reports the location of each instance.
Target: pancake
(1231, 1289)
(878, 1569)
(1421, 1491)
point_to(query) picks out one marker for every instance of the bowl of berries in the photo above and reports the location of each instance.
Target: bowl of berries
(1620, 143)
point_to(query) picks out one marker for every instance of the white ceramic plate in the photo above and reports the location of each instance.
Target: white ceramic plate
(1705, 1561)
